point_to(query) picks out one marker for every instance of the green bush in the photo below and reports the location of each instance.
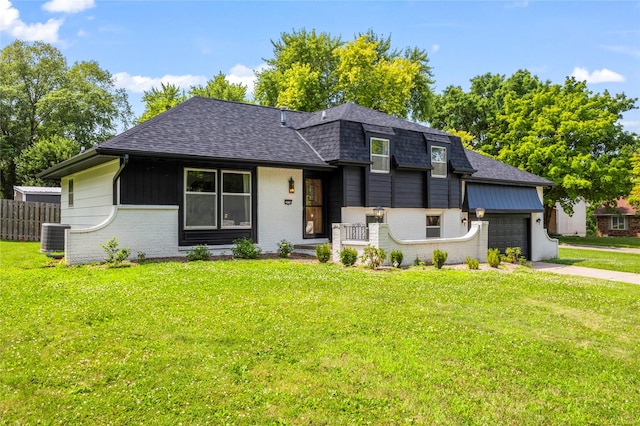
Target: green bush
(493, 258)
(285, 248)
(512, 254)
(323, 252)
(115, 255)
(244, 248)
(374, 257)
(348, 256)
(200, 252)
(473, 263)
(396, 257)
(418, 262)
(439, 257)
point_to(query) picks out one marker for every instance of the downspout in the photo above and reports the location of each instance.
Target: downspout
(123, 164)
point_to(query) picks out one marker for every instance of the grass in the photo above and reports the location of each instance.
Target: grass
(626, 242)
(611, 261)
(279, 342)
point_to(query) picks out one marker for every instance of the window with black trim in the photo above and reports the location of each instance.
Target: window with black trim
(236, 199)
(433, 226)
(200, 199)
(439, 161)
(379, 155)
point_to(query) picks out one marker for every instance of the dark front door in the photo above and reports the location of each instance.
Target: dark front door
(314, 208)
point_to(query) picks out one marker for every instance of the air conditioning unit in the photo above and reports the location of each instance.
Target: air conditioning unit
(52, 239)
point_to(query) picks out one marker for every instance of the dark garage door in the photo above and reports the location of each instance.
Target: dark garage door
(509, 230)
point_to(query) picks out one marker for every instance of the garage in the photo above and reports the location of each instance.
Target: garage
(508, 211)
(509, 230)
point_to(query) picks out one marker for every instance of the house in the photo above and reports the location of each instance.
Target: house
(41, 194)
(623, 220)
(211, 172)
(574, 224)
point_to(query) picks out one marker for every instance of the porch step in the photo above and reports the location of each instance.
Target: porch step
(309, 249)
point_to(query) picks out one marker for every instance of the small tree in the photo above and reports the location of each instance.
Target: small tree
(439, 257)
(115, 256)
(374, 257)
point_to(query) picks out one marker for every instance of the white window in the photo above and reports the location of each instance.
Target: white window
(380, 155)
(439, 161)
(236, 199)
(433, 226)
(200, 199)
(618, 223)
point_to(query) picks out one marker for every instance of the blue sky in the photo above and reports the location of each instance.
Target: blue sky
(187, 42)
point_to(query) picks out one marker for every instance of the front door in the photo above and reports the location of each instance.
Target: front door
(314, 223)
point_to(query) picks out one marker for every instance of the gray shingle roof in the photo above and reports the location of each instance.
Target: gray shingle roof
(494, 171)
(216, 129)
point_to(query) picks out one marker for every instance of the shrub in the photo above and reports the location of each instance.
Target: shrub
(418, 262)
(200, 252)
(115, 255)
(244, 248)
(348, 256)
(396, 257)
(439, 257)
(512, 254)
(285, 248)
(374, 257)
(142, 257)
(493, 258)
(473, 263)
(323, 252)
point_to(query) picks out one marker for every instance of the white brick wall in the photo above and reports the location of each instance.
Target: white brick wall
(277, 220)
(474, 244)
(152, 230)
(410, 224)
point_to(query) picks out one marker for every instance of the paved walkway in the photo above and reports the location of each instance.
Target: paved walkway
(625, 277)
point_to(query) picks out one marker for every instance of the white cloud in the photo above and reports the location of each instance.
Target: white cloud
(139, 83)
(11, 24)
(68, 6)
(435, 48)
(625, 50)
(245, 75)
(630, 124)
(597, 76)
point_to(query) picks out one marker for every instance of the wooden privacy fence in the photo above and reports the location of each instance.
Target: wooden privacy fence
(24, 219)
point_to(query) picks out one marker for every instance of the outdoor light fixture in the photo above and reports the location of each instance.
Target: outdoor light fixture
(378, 212)
(538, 220)
(479, 212)
(292, 188)
(464, 221)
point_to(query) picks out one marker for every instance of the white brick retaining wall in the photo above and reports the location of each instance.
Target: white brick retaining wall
(152, 230)
(474, 244)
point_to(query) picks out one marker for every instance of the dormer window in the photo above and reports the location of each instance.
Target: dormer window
(379, 155)
(439, 161)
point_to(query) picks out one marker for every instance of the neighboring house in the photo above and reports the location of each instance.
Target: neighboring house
(211, 171)
(41, 194)
(562, 223)
(621, 221)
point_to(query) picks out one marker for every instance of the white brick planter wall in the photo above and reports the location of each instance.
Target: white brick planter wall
(474, 244)
(152, 230)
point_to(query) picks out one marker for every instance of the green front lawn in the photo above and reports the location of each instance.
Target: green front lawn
(629, 242)
(599, 259)
(280, 342)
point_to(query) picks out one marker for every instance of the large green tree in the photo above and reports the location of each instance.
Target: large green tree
(634, 197)
(42, 97)
(564, 133)
(44, 153)
(311, 71)
(159, 100)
